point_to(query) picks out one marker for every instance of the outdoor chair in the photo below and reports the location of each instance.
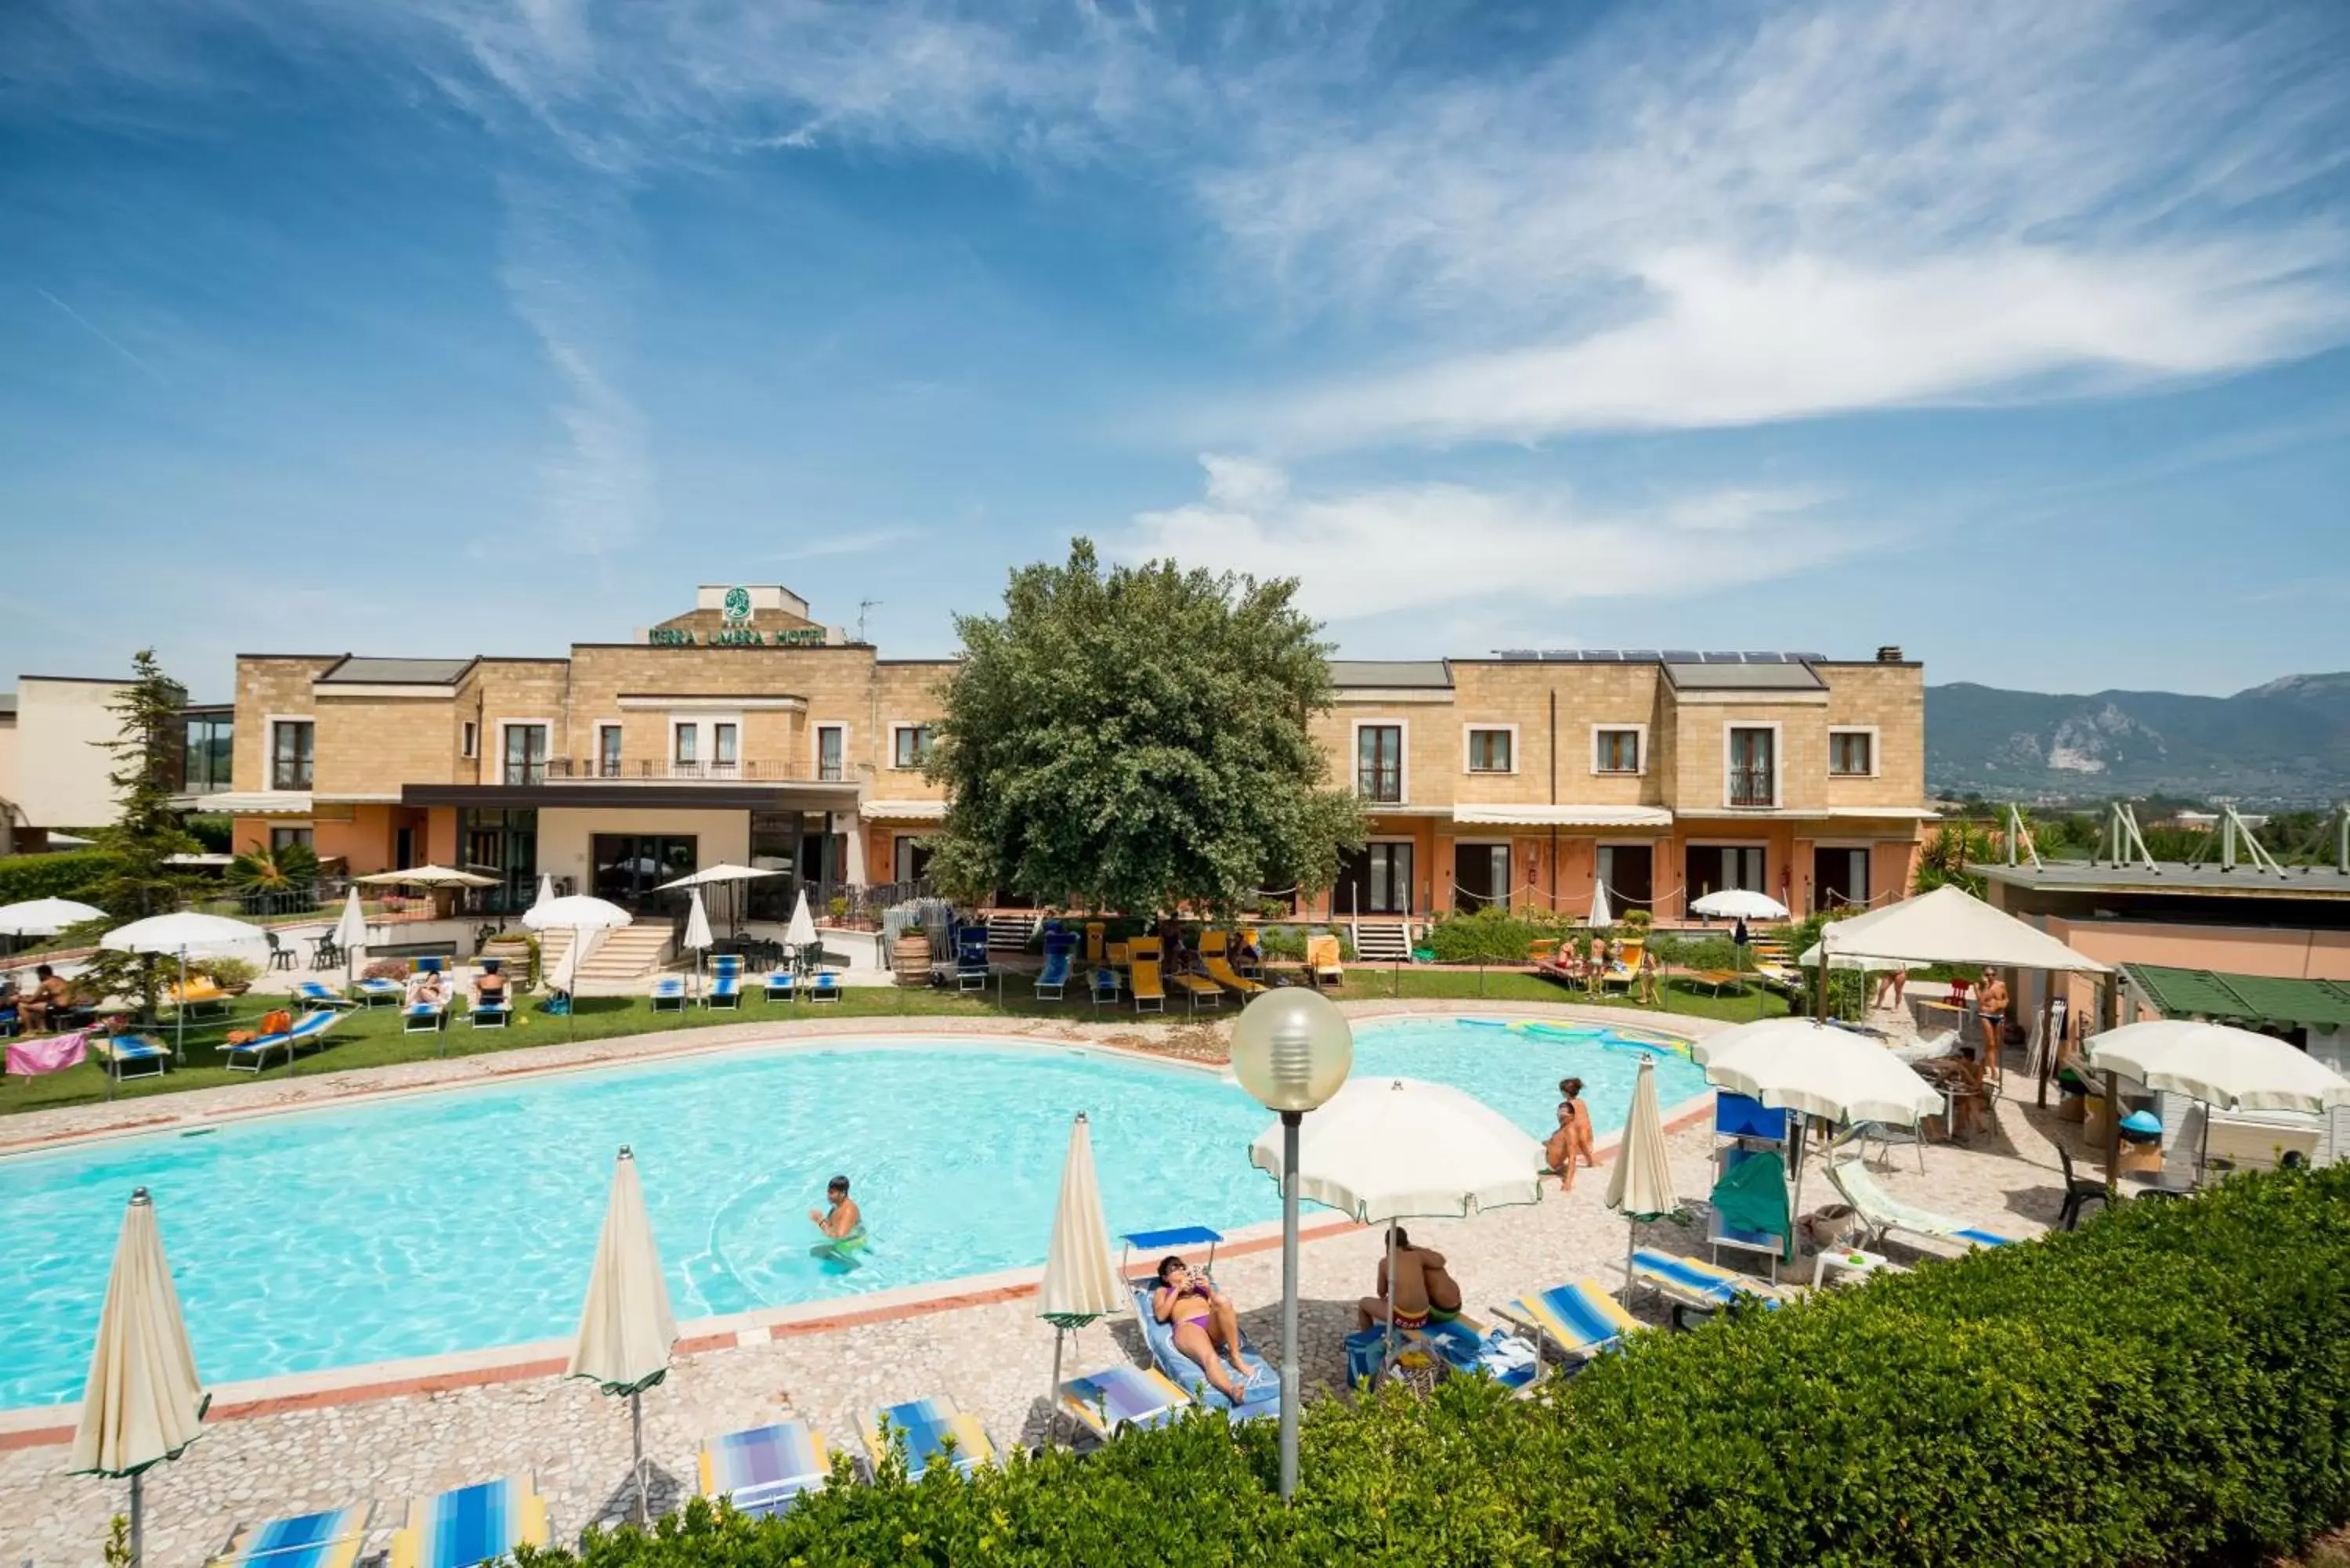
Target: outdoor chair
(725, 983)
(1578, 1317)
(280, 955)
(668, 995)
(315, 998)
(1053, 980)
(763, 1470)
(325, 952)
(825, 986)
(375, 992)
(328, 1540)
(248, 1056)
(1882, 1212)
(781, 985)
(1215, 959)
(1122, 1399)
(2079, 1192)
(472, 1525)
(1693, 1285)
(934, 1430)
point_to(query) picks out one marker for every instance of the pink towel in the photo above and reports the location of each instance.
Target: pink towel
(27, 1058)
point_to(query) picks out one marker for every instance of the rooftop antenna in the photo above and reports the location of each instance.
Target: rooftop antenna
(2019, 836)
(2236, 833)
(2127, 842)
(864, 608)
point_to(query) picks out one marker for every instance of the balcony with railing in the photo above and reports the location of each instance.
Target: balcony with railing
(652, 770)
(1754, 787)
(1380, 786)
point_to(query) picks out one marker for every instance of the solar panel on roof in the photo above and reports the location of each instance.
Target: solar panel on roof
(1562, 655)
(1807, 659)
(1601, 656)
(1636, 655)
(1713, 657)
(1515, 653)
(1680, 655)
(1766, 657)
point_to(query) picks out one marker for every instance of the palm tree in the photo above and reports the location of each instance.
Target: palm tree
(282, 872)
(1944, 861)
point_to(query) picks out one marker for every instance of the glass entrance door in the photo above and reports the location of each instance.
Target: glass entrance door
(1481, 877)
(630, 866)
(1373, 880)
(1839, 877)
(1629, 871)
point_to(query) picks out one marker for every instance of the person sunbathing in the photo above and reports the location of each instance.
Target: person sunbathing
(424, 990)
(490, 989)
(1573, 1136)
(1204, 1323)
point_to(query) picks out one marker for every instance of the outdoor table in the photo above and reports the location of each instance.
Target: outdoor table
(1851, 1262)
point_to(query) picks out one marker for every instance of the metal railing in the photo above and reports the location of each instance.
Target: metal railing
(1380, 786)
(632, 769)
(1754, 787)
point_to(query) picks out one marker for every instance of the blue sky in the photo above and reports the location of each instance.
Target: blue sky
(2011, 333)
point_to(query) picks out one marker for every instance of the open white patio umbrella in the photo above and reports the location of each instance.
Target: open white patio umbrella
(143, 1403)
(587, 919)
(1602, 916)
(1811, 959)
(350, 935)
(625, 1329)
(1816, 1070)
(1738, 904)
(44, 917)
(184, 935)
(427, 877)
(1081, 1284)
(2223, 1066)
(723, 872)
(1390, 1149)
(1640, 1186)
(697, 936)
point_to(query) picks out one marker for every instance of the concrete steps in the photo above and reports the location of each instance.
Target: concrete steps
(1382, 941)
(629, 954)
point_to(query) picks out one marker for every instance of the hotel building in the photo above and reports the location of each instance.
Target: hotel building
(745, 731)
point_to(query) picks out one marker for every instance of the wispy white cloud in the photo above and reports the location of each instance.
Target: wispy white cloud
(84, 322)
(1841, 204)
(1373, 551)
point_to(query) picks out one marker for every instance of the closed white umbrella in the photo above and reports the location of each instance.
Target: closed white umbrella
(1601, 916)
(801, 933)
(697, 935)
(186, 935)
(2231, 1068)
(1081, 1284)
(1388, 1148)
(350, 935)
(1738, 904)
(625, 1329)
(143, 1403)
(546, 890)
(44, 916)
(1640, 1186)
(1816, 1070)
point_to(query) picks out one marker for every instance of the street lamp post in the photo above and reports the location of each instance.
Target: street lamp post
(1291, 1050)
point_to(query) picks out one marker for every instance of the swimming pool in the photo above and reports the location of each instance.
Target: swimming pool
(467, 1219)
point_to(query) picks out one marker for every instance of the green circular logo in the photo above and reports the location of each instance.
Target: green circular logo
(738, 604)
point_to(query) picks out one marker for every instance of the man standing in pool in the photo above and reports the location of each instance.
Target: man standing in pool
(844, 1219)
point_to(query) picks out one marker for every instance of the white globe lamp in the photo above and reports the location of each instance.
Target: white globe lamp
(1292, 1050)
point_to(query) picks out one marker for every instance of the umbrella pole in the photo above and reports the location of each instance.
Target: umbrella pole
(179, 1032)
(137, 1521)
(1631, 1245)
(636, 1447)
(1389, 1357)
(1052, 1395)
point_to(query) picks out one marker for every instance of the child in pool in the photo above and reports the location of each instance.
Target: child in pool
(844, 1219)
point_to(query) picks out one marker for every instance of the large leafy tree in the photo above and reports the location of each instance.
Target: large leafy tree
(1137, 740)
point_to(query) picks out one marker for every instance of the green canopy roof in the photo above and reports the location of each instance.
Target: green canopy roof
(2242, 998)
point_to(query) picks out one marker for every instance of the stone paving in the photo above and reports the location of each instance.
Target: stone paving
(995, 1359)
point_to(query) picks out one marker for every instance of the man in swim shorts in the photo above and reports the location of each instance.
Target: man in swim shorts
(844, 1219)
(1993, 1001)
(1422, 1287)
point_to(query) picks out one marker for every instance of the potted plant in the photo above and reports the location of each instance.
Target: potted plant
(235, 976)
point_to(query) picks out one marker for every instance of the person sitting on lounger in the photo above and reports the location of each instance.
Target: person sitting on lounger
(40, 1006)
(424, 988)
(1422, 1287)
(490, 989)
(1204, 1321)
(842, 1219)
(1573, 1136)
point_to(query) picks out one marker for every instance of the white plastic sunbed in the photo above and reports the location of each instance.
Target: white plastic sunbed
(1882, 1212)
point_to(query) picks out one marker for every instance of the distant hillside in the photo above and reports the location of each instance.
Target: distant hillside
(2284, 743)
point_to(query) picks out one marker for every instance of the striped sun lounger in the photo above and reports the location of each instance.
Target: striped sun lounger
(378, 991)
(1881, 1211)
(313, 996)
(1697, 1285)
(1123, 1399)
(472, 1525)
(764, 1469)
(925, 1426)
(1580, 1318)
(668, 995)
(247, 1055)
(329, 1540)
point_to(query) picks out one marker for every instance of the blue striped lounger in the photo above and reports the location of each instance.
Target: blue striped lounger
(764, 1469)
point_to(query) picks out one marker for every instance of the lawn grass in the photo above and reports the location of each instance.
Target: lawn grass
(373, 1037)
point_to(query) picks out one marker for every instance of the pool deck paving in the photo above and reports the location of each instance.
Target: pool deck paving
(408, 1430)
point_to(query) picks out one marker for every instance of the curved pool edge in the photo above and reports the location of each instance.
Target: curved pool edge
(228, 1104)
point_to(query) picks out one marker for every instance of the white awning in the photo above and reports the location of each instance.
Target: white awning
(903, 810)
(257, 803)
(1950, 925)
(1886, 813)
(1562, 816)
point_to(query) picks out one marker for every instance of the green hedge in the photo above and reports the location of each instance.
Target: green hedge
(2170, 1384)
(67, 874)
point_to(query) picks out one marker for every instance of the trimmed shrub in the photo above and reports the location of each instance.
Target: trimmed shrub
(2170, 1384)
(1492, 935)
(69, 873)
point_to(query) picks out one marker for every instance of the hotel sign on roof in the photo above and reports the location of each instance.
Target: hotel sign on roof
(736, 637)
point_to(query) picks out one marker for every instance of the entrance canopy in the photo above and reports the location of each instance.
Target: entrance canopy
(1950, 925)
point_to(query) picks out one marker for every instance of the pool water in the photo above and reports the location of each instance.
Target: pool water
(468, 1219)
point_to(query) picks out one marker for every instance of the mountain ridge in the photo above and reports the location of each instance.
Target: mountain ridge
(2285, 742)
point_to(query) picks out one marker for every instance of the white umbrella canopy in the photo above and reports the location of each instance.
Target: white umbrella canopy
(627, 1329)
(697, 923)
(576, 913)
(2234, 1069)
(1811, 959)
(720, 873)
(1640, 1186)
(427, 877)
(44, 916)
(143, 1403)
(1950, 925)
(1081, 1284)
(1387, 1148)
(801, 933)
(187, 933)
(546, 890)
(1602, 916)
(1738, 904)
(1804, 1066)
